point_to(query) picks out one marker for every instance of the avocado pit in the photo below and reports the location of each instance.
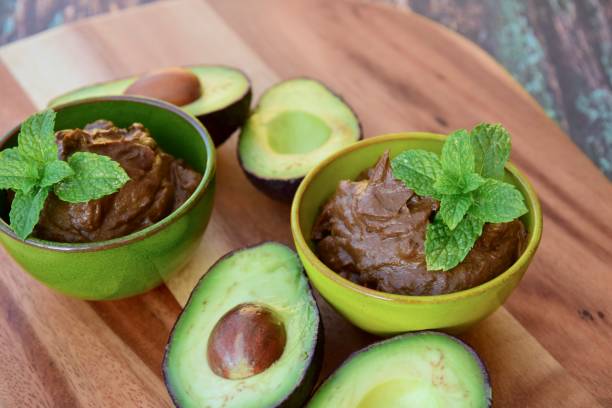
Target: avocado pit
(178, 86)
(245, 341)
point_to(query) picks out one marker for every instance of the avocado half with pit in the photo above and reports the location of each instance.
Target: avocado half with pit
(423, 369)
(219, 96)
(296, 124)
(249, 336)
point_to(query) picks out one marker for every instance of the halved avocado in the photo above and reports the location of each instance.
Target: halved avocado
(219, 96)
(424, 369)
(249, 336)
(296, 124)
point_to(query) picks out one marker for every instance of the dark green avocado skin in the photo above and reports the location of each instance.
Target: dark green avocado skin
(303, 391)
(279, 190)
(223, 123)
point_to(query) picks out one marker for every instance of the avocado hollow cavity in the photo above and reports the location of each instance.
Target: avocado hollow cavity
(246, 341)
(297, 132)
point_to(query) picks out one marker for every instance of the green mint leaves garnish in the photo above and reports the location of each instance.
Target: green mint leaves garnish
(37, 138)
(32, 170)
(94, 177)
(497, 201)
(54, 172)
(446, 248)
(491, 145)
(467, 179)
(16, 174)
(25, 210)
(421, 167)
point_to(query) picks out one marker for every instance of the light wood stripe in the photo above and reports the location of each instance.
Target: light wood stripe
(15, 105)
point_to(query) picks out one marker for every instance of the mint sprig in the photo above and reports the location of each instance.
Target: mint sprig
(32, 170)
(94, 176)
(445, 248)
(421, 167)
(467, 179)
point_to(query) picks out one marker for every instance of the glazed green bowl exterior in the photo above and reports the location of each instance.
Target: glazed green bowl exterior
(140, 261)
(383, 313)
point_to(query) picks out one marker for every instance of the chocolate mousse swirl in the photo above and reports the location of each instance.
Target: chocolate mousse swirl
(158, 185)
(372, 232)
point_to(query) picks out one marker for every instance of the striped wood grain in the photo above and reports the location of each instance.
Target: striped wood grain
(400, 72)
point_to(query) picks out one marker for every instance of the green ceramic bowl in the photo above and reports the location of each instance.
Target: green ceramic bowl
(140, 261)
(383, 313)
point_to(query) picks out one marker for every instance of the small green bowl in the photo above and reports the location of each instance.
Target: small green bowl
(140, 261)
(383, 313)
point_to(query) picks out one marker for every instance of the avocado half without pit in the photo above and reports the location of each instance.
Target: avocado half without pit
(296, 124)
(219, 96)
(423, 369)
(249, 336)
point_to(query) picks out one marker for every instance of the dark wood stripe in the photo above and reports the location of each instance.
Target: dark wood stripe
(575, 202)
(43, 364)
(398, 88)
(595, 248)
(143, 323)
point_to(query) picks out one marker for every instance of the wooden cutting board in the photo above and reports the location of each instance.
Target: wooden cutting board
(551, 345)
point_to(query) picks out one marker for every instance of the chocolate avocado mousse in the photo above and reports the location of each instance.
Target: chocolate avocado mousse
(159, 184)
(372, 231)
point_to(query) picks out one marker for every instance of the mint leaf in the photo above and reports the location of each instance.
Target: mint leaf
(454, 207)
(446, 248)
(491, 144)
(94, 177)
(471, 182)
(457, 154)
(418, 169)
(16, 174)
(37, 139)
(467, 179)
(448, 184)
(55, 172)
(496, 201)
(32, 169)
(25, 210)
(11, 153)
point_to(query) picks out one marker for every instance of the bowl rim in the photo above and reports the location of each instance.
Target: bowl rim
(202, 187)
(531, 198)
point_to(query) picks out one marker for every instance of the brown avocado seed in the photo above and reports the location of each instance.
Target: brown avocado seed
(245, 342)
(178, 86)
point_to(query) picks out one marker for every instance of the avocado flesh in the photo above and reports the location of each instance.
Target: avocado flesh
(269, 275)
(222, 107)
(296, 125)
(425, 369)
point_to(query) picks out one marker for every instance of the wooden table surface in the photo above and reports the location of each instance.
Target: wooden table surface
(549, 346)
(558, 50)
